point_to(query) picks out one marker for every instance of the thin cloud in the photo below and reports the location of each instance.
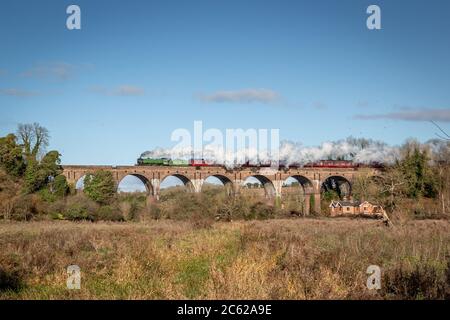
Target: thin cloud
(362, 103)
(319, 105)
(58, 70)
(13, 92)
(129, 91)
(408, 114)
(124, 90)
(265, 96)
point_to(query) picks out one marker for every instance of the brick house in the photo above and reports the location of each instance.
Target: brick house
(338, 208)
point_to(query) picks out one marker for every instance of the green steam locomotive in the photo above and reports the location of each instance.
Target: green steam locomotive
(162, 162)
(172, 162)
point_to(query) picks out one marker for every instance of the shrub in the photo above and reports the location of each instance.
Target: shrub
(80, 207)
(10, 281)
(77, 212)
(60, 186)
(24, 208)
(154, 211)
(184, 205)
(261, 211)
(421, 282)
(233, 208)
(7, 207)
(56, 209)
(47, 195)
(134, 210)
(109, 213)
(130, 207)
(199, 221)
(125, 208)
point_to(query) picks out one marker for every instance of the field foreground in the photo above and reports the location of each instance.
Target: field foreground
(273, 259)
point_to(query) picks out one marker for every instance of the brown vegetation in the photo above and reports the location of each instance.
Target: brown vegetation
(272, 259)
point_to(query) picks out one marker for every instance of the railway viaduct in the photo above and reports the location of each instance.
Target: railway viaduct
(310, 179)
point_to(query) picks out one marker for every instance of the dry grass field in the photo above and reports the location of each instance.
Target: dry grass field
(272, 259)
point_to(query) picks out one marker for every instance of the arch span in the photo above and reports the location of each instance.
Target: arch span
(224, 182)
(302, 181)
(79, 183)
(337, 185)
(296, 191)
(146, 182)
(266, 183)
(168, 181)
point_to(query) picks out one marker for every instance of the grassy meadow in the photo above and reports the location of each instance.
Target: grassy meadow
(298, 258)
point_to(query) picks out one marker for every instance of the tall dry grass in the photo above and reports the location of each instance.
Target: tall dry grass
(273, 259)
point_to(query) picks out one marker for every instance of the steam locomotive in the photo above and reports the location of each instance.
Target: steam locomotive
(172, 162)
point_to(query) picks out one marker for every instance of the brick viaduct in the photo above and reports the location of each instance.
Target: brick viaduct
(311, 179)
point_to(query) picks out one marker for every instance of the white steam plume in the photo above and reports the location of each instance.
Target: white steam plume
(364, 151)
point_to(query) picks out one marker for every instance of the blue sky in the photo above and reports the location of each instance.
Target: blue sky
(137, 70)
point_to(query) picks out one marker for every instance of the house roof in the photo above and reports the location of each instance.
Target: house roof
(345, 203)
(335, 204)
(350, 203)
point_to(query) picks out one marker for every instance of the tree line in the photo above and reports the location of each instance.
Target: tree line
(23, 155)
(418, 180)
(32, 181)
(30, 174)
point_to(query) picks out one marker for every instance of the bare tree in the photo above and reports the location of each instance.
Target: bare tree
(393, 184)
(34, 139)
(442, 165)
(443, 135)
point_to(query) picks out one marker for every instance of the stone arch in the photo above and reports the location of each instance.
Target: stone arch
(268, 185)
(296, 192)
(184, 179)
(79, 183)
(339, 184)
(143, 179)
(227, 183)
(222, 178)
(305, 183)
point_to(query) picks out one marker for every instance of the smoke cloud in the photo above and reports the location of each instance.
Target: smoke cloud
(359, 150)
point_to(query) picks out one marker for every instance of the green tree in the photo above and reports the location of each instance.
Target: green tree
(329, 195)
(419, 177)
(55, 189)
(60, 187)
(39, 174)
(11, 159)
(100, 186)
(32, 180)
(50, 164)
